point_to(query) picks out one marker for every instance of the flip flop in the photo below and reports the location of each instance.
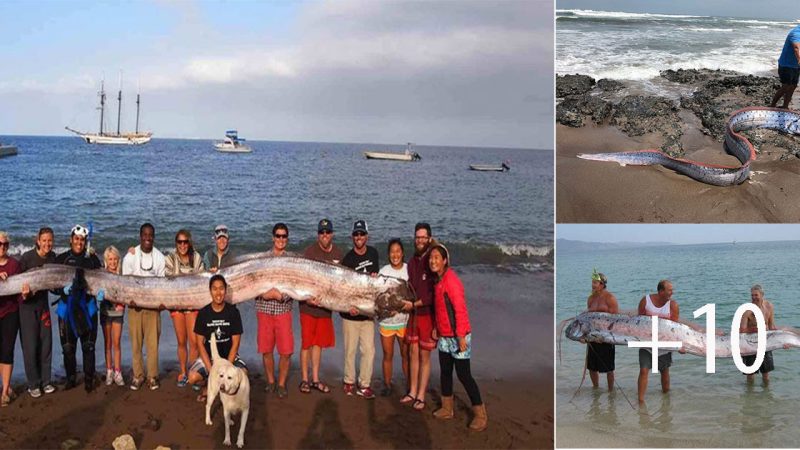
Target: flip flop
(407, 399)
(202, 398)
(419, 405)
(305, 387)
(320, 386)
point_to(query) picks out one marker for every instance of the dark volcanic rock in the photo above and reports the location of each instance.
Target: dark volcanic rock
(636, 115)
(716, 99)
(609, 85)
(573, 109)
(694, 75)
(567, 85)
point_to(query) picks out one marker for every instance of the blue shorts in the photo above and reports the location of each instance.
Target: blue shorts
(450, 345)
(199, 367)
(789, 75)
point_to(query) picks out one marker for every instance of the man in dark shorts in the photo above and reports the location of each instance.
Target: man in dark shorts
(599, 356)
(749, 325)
(788, 68)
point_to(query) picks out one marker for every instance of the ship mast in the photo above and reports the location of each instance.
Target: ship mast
(102, 104)
(137, 109)
(119, 102)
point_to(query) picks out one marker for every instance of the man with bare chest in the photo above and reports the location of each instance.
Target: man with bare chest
(599, 356)
(749, 325)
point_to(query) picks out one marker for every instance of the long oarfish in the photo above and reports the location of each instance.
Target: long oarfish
(619, 329)
(335, 287)
(781, 120)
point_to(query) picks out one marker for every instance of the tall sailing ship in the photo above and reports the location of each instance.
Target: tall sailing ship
(118, 138)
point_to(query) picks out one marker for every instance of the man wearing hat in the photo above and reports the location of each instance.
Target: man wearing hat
(316, 324)
(599, 356)
(358, 329)
(220, 255)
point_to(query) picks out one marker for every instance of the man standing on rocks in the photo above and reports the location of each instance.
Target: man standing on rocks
(788, 68)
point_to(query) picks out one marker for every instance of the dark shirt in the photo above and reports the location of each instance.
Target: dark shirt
(422, 280)
(31, 260)
(316, 253)
(10, 303)
(225, 324)
(70, 259)
(366, 263)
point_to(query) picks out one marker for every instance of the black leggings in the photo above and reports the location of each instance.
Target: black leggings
(446, 363)
(9, 328)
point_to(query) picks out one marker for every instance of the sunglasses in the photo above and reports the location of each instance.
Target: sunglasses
(325, 232)
(4, 244)
(359, 234)
(181, 241)
(281, 236)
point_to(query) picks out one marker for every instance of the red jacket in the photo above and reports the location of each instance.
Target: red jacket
(450, 285)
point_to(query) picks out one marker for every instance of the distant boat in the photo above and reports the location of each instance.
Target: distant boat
(118, 138)
(232, 143)
(408, 155)
(504, 166)
(7, 150)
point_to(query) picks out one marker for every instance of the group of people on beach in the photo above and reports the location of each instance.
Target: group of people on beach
(600, 357)
(436, 319)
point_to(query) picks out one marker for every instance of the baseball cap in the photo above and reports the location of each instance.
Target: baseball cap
(221, 231)
(360, 225)
(325, 225)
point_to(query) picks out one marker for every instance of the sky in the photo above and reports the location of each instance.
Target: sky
(769, 9)
(466, 73)
(678, 233)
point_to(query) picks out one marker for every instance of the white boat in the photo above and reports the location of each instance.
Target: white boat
(490, 168)
(118, 138)
(7, 150)
(408, 155)
(232, 143)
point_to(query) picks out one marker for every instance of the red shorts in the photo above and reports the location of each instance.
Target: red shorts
(275, 329)
(419, 330)
(316, 331)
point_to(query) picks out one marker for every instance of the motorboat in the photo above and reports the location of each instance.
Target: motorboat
(7, 150)
(408, 155)
(504, 166)
(232, 143)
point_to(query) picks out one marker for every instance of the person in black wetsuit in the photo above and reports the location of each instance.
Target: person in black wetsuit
(84, 309)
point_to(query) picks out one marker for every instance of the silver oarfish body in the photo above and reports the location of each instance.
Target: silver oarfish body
(336, 287)
(781, 120)
(619, 329)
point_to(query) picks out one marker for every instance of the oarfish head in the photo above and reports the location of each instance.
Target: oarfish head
(578, 329)
(390, 301)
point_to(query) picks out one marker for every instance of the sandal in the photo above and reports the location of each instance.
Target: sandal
(270, 388)
(419, 405)
(407, 399)
(305, 387)
(202, 398)
(320, 386)
(282, 392)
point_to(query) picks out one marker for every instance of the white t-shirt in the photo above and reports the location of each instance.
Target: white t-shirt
(398, 320)
(143, 264)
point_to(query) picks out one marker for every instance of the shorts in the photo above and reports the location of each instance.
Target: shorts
(419, 330)
(199, 367)
(182, 311)
(646, 360)
(768, 365)
(316, 331)
(789, 75)
(104, 319)
(600, 357)
(275, 329)
(389, 332)
(9, 328)
(450, 345)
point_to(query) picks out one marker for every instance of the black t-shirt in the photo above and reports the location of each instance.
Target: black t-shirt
(31, 260)
(366, 263)
(225, 324)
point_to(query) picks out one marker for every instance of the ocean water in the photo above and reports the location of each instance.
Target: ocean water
(702, 410)
(635, 46)
(497, 225)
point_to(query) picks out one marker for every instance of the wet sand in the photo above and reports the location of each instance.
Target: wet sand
(602, 192)
(512, 362)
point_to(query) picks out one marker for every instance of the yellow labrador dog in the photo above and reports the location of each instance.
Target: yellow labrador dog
(233, 387)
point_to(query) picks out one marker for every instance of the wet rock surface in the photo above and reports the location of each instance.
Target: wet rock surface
(716, 94)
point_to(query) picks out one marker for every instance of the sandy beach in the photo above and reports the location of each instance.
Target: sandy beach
(600, 192)
(517, 391)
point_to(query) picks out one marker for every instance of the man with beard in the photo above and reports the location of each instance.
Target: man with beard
(77, 312)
